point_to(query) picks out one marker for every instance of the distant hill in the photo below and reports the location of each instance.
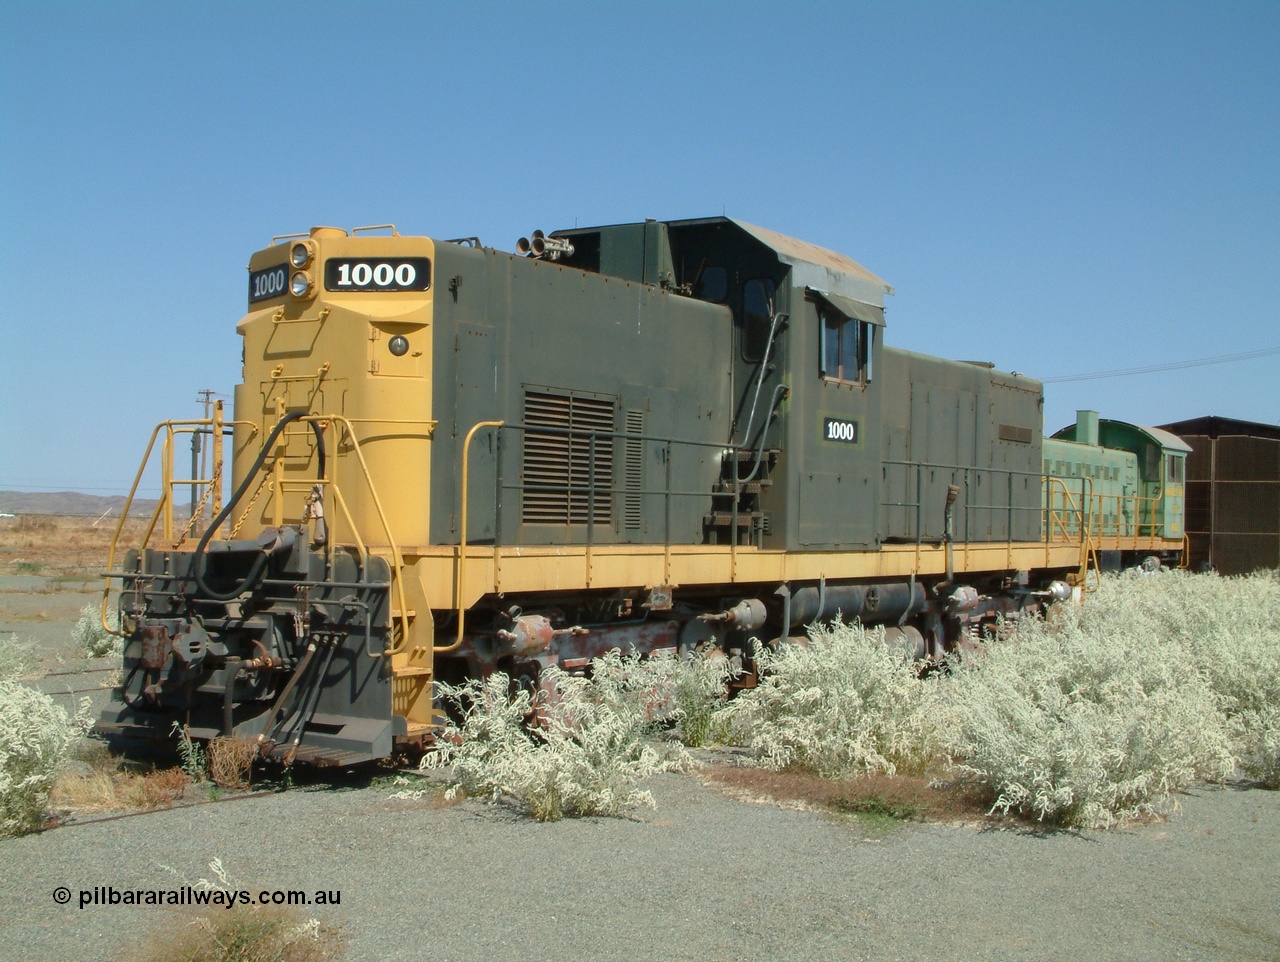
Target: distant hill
(74, 503)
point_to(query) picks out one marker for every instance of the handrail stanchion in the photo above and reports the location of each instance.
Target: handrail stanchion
(459, 578)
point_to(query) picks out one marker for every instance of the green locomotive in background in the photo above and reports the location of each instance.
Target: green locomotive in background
(1128, 481)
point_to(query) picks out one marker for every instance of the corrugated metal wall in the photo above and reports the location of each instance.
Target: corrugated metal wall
(1233, 502)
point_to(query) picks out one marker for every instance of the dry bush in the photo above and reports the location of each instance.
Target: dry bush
(1231, 626)
(90, 635)
(230, 762)
(65, 543)
(891, 797)
(665, 689)
(105, 790)
(247, 933)
(17, 658)
(162, 787)
(243, 933)
(1097, 716)
(42, 525)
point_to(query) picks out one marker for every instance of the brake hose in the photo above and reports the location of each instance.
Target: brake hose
(260, 563)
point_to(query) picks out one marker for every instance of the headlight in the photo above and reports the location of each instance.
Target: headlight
(300, 255)
(301, 284)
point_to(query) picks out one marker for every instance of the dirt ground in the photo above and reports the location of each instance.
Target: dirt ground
(716, 871)
(50, 568)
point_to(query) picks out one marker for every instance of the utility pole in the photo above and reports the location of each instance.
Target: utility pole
(199, 455)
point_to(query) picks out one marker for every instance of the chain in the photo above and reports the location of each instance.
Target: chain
(248, 507)
(199, 511)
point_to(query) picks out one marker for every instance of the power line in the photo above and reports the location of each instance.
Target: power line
(1173, 366)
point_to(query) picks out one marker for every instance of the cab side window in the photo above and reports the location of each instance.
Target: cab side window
(1151, 456)
(845, 347)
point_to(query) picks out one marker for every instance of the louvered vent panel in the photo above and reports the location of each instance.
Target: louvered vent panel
(558, 468)
(1015, 433)
(633, 450)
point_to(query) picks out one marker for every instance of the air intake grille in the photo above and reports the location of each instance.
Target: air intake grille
(564, 482)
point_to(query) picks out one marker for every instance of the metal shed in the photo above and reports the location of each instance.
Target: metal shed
(1233, 493)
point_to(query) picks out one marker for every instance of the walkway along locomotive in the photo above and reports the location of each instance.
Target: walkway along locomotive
(446, 459)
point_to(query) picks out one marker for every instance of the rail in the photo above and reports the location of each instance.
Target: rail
(595, 501)
(1082, 511)
(973, 510)
(274, 480)
(461, 573)
(588, 503)
(596, 485)
(215, 426)
(1060, 508)
(605, 479)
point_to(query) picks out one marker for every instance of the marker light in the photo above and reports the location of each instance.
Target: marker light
(398, 345)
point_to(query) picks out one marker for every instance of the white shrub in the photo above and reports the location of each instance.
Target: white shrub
(664, 688)
(1231, 627)
(845, 704)
(16, 658)
(91, 637)
(34, 737)
(1094, 717)
(699, 690)
(590, 746)
(1089, 720)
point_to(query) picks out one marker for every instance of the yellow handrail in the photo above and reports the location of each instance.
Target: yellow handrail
(397, 562)
(1058, 520)
(1131, 515)
(164, 506)
(460, 577)
(165, 502)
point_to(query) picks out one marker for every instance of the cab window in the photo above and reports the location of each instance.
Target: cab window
(757, 317)
(845, 348)
(1151, 455)
(712, 285)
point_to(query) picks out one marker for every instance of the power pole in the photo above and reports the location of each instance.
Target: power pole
(199, 454)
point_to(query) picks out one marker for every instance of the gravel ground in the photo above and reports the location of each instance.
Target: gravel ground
(704, 876)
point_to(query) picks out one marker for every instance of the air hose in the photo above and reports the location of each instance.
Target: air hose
(260, 563)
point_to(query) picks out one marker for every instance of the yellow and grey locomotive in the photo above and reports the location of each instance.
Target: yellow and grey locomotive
(445, 459)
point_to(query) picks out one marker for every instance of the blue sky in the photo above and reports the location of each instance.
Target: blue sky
(1061, 189)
